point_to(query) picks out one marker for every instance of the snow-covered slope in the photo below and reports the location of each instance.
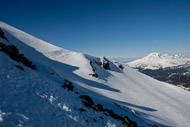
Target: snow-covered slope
(156, 60)
(36, 98)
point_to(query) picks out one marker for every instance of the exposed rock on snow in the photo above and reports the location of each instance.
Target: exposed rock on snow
(2, 35)
(13, 52)
(68, 85)
(104, 63)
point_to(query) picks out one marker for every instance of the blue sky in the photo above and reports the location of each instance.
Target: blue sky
(123, 28)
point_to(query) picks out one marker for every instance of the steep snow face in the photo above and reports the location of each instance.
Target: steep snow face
(156, 60)
(29, 98)
(49, 50)
(150, 101)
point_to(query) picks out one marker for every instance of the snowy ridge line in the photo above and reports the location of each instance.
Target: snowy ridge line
(156, 103)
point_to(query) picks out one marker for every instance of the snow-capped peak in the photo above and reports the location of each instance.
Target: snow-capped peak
(156, 60)
(179, 56)
(154, 54)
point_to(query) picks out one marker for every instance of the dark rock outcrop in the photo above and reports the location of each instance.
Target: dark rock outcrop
(20, 67)
(98, 107)
(81, 109)
(13, 52)
(2, 35)
(68, 85)
(93, 69)
(120, 66)
(87, 100)
(94, 75)
(129, 122)
(105, 63)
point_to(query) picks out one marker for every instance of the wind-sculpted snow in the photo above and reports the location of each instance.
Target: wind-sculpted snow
(39, 98)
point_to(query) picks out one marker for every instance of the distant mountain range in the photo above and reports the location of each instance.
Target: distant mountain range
(123, 59)
(171, 69)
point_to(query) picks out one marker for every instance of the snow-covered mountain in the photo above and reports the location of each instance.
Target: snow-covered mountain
(170, 69)
(44, 85)
(156, 60)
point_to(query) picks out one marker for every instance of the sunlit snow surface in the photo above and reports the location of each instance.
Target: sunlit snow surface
(36, 98)
(156, 60)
